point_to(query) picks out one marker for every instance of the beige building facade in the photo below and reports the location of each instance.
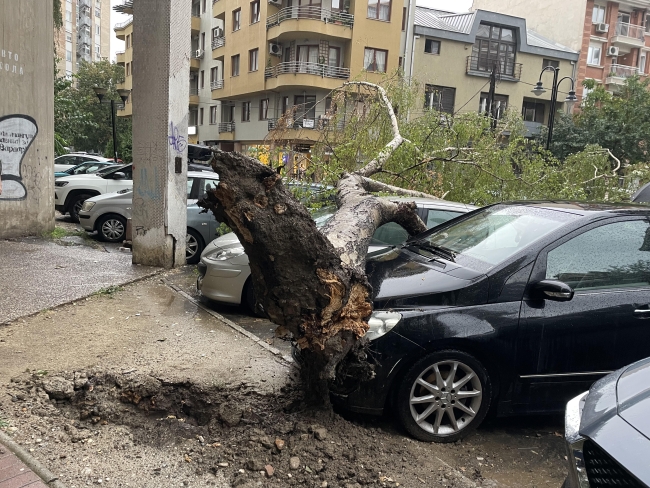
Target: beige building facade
(454, 55)
(85, 36)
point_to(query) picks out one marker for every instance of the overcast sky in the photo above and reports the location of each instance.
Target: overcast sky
(451, 5)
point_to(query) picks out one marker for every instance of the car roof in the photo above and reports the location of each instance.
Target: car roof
(203, 174)
(431, 202)
(586, 209)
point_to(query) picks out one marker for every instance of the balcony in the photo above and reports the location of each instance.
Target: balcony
(292, 23)
(628, 35)
(194, 96)
(618, 73)
(482, 66)
(226, 127)
(298, 73)
(119, 58)
(196, 23)
(319, 123)
(120, 28)
(216, 85)
(195, 59)
(218, 42)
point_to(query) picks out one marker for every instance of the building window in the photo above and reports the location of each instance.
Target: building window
(68, 55)
(98, 50)
(245, 111)
(205, 6)
(403, 19)
(642, 63)
(500, 105)
(285, 105)
(264, 109)
(213, 114)
(305, 107)
(98, 30)
(98, 12)
(533, 111)
(234, 62)
(431, 46)
(494, 45)
(550, 62)
(598, 14)
(647, 23)
(203, 41)
(202, 78)
(236, 19)
(375, 60)
(68, 16)
(68, 37)
(128, 41)
(201, 116)
(255, 12)
(379, 9)
(128, 69)
(441, 98)
(287, 54)
(593, 55)
(214, 74)
(253, 56)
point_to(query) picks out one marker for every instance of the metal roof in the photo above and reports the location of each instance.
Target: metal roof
(460, 22)
(428, 18)
(538, 40)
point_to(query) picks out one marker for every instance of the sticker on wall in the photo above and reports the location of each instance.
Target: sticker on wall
(16, 135)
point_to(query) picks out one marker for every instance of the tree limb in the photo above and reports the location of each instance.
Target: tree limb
(377, 186)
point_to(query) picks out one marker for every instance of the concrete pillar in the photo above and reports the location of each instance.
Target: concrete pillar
(26, 118)
(161, 87)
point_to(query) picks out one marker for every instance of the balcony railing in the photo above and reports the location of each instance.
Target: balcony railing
(122, 25)
(482, 66)
(630, 30)
(318, 123)
(194, 91)
(622, 71)
(299, 67)
(216, 85)
(226, 127)
(218, 42)
(314, 13)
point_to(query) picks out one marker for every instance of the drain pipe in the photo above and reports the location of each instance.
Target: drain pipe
(409, 47)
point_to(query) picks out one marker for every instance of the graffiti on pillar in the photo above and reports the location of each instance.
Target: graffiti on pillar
(17, 132)
(176, 140)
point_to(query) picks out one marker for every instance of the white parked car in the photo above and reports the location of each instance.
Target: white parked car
(67, 161)
(224, 272)
(70, 192)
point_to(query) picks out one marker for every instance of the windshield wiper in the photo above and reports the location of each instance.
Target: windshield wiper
(441, 251)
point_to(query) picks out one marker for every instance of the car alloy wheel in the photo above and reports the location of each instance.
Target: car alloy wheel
(193, 246)
(112, 229)
(444, 396)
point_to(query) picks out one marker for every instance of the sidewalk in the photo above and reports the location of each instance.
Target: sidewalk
(15, 474)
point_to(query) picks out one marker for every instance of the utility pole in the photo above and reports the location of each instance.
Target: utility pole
(161, 87)
(490, 109)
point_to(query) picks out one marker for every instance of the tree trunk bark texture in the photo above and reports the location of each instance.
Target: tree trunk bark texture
(309, 282)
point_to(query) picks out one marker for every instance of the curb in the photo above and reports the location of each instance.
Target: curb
(83, 297)
(41, 471)
(231, 324)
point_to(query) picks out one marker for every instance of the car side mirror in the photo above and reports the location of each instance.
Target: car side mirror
(557, 291)
(119, 176)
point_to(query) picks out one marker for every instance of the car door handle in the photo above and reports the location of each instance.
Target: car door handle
(642, 310)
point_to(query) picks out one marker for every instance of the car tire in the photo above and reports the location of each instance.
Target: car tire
(111, 228)
(193, 246)
(76, 204)
(429, 401)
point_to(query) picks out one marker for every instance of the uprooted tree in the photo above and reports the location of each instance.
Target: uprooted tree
(311, 282)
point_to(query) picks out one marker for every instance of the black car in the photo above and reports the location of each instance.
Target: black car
(607, 431)
(515, 306)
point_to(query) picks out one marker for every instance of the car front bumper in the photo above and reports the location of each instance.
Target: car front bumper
(222, 282)
(87, 221)
(574, 443)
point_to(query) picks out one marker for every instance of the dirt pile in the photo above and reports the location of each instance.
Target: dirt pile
(157, 432)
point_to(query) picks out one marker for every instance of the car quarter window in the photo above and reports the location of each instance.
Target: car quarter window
(437, 217)
(615, 255)
(190, 182)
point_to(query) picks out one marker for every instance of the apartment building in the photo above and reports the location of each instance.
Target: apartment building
(278, 57)
(613, 37)
(85, 35)
(454, 55)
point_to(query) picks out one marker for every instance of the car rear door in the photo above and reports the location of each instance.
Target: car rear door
(563, 346)
(113, 185)
(209, 224)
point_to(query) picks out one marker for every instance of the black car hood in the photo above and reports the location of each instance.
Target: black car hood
(616, 417)
(402, 278)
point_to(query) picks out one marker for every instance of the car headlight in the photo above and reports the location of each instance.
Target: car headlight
(60, 183)
(224, 254)
(87, 206)
(381, 323)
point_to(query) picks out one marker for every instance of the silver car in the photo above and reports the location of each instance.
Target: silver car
(224, 273)
(107, 214)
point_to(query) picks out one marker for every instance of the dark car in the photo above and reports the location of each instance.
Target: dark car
(515, 306)
(607, 431)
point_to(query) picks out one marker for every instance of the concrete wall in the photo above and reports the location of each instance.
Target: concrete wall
(26, 118)
(560, 20)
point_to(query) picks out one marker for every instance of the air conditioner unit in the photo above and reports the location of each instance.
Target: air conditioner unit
(217, 32)
(612, 51)
(602, 28)
(275, 49)
(277, 3)
(199, 53)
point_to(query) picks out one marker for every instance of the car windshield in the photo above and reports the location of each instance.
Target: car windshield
(490, 236)
(323, 215)
(126, 168)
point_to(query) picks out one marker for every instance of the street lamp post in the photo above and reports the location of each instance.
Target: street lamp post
(124, 95)
(569, 100)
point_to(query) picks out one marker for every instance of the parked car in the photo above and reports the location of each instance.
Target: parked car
(67, 161)
(642, 195)
(107, 214)
(224, 273)
(85, 168)
(70, 192)
(607, 431)
(515, 306)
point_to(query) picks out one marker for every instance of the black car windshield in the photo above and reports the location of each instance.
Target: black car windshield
(489, 237)
(126, 169)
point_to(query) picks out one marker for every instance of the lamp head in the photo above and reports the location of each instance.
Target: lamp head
(124, 94)
(539, 89)
(571, 99)
(100, 92)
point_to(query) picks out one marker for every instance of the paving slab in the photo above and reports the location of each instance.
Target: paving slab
(36, 274)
